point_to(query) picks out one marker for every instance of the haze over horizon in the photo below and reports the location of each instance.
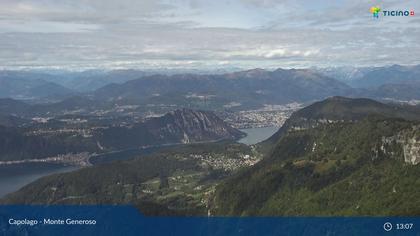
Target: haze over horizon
(197, 34)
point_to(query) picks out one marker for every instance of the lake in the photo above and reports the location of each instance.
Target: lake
(125, 154)
(256, 135)
(14, 177)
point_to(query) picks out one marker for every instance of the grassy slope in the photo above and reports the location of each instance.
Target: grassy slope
(175, 183)
(342, 175)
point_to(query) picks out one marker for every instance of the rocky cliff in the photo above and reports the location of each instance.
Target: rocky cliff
(180, 126)
(406, 144)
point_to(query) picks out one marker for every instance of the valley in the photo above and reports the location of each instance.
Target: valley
(242, 143)
(213, 118)
(82, 142)
(317, 152)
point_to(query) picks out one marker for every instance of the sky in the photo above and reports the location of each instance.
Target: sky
(203, 34)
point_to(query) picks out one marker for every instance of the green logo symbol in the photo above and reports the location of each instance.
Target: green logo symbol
(375, 11)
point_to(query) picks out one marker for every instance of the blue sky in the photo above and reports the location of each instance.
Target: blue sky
(203, 34)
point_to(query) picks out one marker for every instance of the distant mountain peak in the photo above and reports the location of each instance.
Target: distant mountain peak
(178, 126)
(252, 73)
(339, 109)
(200, 125)
(339, 99)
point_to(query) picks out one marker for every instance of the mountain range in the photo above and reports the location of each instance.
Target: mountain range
(342, 109)
(368, 77)
(245, 90)
(394, 74)
(251, 88)
(179, 126)
(30, 86)
(340, 156)
(235, 90)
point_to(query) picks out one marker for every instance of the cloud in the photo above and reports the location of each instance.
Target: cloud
(198, 33)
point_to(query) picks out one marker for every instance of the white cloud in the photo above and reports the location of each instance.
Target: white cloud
(194, 33)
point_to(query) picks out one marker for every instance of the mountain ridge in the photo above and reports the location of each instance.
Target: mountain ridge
(337, 109)
(253, 88)
(345, 168)
(177, 127)
(321, 167)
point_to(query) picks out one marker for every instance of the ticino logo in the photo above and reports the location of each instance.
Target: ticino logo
(377, 10)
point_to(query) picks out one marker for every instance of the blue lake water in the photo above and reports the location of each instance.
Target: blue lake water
(256, 135)
(14, 177)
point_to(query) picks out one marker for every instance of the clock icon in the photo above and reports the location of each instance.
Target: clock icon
(387, 226)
